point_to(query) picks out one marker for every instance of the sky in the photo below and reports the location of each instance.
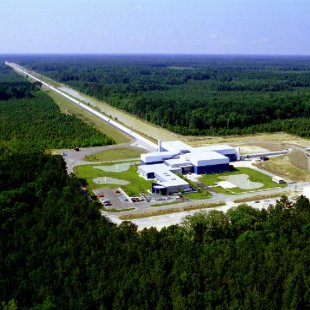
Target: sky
(265, 27)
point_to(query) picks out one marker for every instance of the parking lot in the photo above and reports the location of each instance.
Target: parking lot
(116, 198)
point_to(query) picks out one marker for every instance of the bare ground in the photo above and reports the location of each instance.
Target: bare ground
(262, 140)
(283, 167)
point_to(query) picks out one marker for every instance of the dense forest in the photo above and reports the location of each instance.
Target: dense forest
(194, 94)
(58, 252)
(30, 118)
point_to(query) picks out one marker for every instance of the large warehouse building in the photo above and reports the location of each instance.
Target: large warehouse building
(176, 157)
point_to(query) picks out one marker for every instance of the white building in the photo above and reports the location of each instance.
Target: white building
(207, 162)
(166, 182)
(175, 146)
(306, 192)
(156, 157)
(176, 157)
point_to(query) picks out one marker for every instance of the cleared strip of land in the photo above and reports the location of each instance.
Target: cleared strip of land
(66, 106)
(149, 144)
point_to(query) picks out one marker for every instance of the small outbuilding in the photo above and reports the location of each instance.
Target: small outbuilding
(278, 180)
(306, 192)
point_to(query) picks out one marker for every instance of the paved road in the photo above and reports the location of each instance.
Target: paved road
(142, 141)
(161, 221)
(76, 158)
(219, 197)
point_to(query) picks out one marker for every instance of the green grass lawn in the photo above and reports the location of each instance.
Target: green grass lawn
(136, 186)
(254, 176)
(116, 154)
(199, 195)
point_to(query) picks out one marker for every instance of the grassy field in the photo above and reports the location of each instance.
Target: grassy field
(298, 159)
(116, 154)
(174, 202)
(283, 167)
(67, 107)
(136, 186)
(278, 137)
(254, 176)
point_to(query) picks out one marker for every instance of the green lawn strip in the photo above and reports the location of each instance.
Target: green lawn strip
(116, 210)
(254, 176)
(136, 186)
(199, 195)
(116, 154)
(166, 204)
(128, 217)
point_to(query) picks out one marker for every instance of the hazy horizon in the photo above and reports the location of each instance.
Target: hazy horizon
(155, 27)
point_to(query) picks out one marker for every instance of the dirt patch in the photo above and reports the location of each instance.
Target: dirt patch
(299, 159)
(258, 139)
(283, 167)
(252, 149)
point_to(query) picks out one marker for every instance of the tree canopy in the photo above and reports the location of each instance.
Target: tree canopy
(31, 119)
(57, 250)
(194, 95)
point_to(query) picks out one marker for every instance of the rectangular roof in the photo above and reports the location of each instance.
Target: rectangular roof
(176, 146)
(207, 158)
(153, 168)
(216, 147)
(208, 155)
(157, 155)
(178, 161)
(163, 175)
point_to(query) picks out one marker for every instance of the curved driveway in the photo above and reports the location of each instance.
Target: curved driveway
(76, 158)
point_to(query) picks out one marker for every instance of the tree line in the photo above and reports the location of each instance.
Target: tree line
(32, 119)
(57, 251)
(195, 95)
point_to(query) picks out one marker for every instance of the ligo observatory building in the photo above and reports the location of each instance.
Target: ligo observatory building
(176, 157)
